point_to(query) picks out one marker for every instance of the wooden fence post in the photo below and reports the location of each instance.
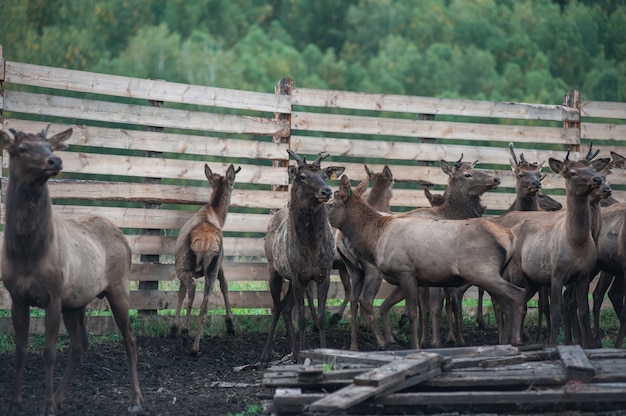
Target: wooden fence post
(572, 99)
(151, 285)
(284, 87)
(1, 119)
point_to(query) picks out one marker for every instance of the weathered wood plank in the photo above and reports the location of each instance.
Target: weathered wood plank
(165, 142)
(577, 365)
(430, 105)
(110, 112)
(97, 83)
(431, 129)
(603, 109)
(603, 131)
(160, 218)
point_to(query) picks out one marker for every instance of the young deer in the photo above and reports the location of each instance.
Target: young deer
(59, 265)
(199, 252)
(300, 247)
(557, 248)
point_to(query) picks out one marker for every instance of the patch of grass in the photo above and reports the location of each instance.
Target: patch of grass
(251, 410)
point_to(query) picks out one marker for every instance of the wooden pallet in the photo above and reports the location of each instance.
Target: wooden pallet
(526, 380)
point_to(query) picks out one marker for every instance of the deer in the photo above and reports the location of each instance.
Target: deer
(59, 265)
(300, 247)
(379, 197)
(198, 253)
(403, 248)
(555, 249)
(461, 200)
(611, 261)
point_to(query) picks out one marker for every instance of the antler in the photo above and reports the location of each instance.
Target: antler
(297, 158)
(238, 170)
(457, 164)
(45, 131)
(321, 156)
(512, 150)
(590, 154)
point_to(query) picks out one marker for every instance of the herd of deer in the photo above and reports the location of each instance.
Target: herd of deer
(427, 254)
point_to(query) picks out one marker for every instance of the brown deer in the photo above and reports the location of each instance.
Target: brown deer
(379, 197)
(557, 248)
(364, 278)
(411, 250)
(300, 247)
(199, 252)
(611, 261)
(59, 265)
(460, 200)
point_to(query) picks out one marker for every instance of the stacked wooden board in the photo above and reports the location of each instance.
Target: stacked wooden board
(501, 379)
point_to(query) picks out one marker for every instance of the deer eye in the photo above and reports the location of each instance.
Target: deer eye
(572, 173)
(22, 149)
(468, 175)
(302, 176)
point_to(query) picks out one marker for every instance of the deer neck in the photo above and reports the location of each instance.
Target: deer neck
(459, 206)
(379, 199)
(595, 218)
(578, 218)
(309, 222)
(220, 201)
(363, 228)
(28, 225)
(529, 203)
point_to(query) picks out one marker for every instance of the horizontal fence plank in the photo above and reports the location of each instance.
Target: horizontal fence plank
(97, 83)
(603, 131)
(110, 112)
(165, 142)
(430, 105)
(160, 218)
(603, 109)
(158, 167)
(234, 271)
(233, 246)
(431, 129)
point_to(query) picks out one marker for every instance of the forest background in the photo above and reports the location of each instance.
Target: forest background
(507, 50)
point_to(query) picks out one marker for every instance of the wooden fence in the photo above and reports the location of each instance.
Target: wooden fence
(139, 147)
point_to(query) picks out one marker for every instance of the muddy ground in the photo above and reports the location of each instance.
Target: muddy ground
(172, 382)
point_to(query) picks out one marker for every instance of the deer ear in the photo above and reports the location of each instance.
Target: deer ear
(208, 173)
(620, 161)
(6, 139)
(58, 140)
(600, 164)
(447, 168)
(333, 172)
(556, 165)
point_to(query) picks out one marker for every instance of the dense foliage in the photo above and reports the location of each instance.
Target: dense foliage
(513, 50)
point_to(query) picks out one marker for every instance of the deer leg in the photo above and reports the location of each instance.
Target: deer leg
(191, 296)
(120, 301)
(480, 316)
(322, 295)
(616, 296)
(619, 339)
(52, 324)
(74, 320)
(299, 292)
(409, 286)
(371, 285)
(543, 309)
(357, 281)
(182, 293)
(436, 295)
(275, 286)
(20, 315)
(209, 284)
(569, 311)
(394, 297)
(456, 300)
(582, 301)
(423, 301)
(347, 289)
(230, 327)
(556, 304)
(311, 303)
(602, 286)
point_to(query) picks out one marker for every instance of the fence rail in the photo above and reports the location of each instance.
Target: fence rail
(113, 147)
